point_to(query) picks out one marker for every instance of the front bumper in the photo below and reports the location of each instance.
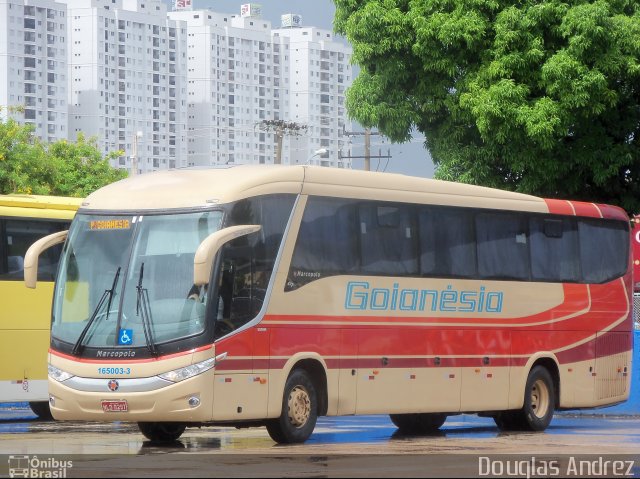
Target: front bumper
(173, 403)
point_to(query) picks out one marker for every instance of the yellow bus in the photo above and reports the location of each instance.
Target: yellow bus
(25, 315)
(271, 295)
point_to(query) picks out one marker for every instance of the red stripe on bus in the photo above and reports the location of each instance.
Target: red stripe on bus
(613, 212)
(588, 210)
(231, 364)
(559, 207)
(608, 344)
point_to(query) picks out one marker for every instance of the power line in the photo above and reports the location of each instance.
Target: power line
(367, 133)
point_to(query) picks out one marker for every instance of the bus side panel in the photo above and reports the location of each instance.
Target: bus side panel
(25, 318)
(26, 309)
(384, 383)
(613, 367)
(241, 388)
(486, 372)
(574, 353)
(348, 379)
(399, 373)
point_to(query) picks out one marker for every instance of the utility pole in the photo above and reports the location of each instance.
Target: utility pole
(281, 128)
(134, 156)
(367, 133)
(367, 149)
(279, 137)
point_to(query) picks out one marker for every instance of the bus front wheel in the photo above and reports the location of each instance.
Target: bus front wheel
(299, 410)
(419, 423)
(161, 431)
(539, 404)
(41, 409)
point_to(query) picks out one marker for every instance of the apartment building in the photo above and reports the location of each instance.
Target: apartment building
(243, 74)
(237, 81)
(33, 65)
(175, 89)
(320, 72)
(127, 66)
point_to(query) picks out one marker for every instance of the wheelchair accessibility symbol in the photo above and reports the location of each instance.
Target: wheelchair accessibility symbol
(126, 337)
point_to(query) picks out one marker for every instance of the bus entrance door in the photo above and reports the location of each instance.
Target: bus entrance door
(241, 388)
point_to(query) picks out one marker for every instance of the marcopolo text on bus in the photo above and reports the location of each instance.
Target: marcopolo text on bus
(360, 295)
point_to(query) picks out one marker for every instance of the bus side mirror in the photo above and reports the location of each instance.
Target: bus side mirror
(34, 252)
(206, 252)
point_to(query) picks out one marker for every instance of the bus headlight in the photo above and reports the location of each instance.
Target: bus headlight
(58, 374)
(181, 374)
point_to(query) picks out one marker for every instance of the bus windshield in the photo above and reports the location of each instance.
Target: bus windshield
(127, 281)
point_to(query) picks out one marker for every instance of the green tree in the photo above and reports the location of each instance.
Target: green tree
(541, 97)
(80, 168)
(27, 165)
(20, 158)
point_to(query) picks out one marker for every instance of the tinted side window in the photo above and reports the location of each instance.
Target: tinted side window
(554, 249)
(18, 235)
(387, 240)
(503, 251)
(326, 243)
(447, 243)
(604, 249)
(247, 262)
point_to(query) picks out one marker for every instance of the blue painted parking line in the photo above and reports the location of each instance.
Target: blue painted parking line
(14, 405)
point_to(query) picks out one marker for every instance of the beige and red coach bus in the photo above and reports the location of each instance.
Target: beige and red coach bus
(273, 295)
(635, 241)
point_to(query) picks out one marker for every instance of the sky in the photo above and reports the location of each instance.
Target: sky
(408, 158)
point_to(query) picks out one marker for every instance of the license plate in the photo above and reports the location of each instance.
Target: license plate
(115, 406)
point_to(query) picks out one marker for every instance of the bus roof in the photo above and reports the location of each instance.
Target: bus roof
(37, 206)
(39, 201)
(200, 187)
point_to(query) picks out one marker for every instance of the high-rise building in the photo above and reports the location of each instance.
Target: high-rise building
(33, 65)
(238, 81)
(249, 83)
(320, 71)
(127, 63)
(175, 89)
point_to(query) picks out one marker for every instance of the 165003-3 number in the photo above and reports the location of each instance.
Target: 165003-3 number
(121, 371)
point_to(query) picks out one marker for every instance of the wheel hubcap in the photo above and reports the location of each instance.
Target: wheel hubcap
(299, 406)
(540, 398)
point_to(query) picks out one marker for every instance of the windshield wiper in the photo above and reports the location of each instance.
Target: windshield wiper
(107, 293)
(143, 309)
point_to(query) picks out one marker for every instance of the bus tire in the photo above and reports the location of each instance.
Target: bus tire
(539, 400)
(418, 423)
(539, 404)
(41, 409)
(509, 421)
(299, 410)
(166, 432)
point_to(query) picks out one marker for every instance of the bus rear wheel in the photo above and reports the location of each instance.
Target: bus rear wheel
(161, 431)
(418, 423)
(539, 404)
(299, 410)
(41, 409)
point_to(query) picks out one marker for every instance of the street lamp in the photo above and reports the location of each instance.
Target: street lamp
(134, 156)
(320, 152)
